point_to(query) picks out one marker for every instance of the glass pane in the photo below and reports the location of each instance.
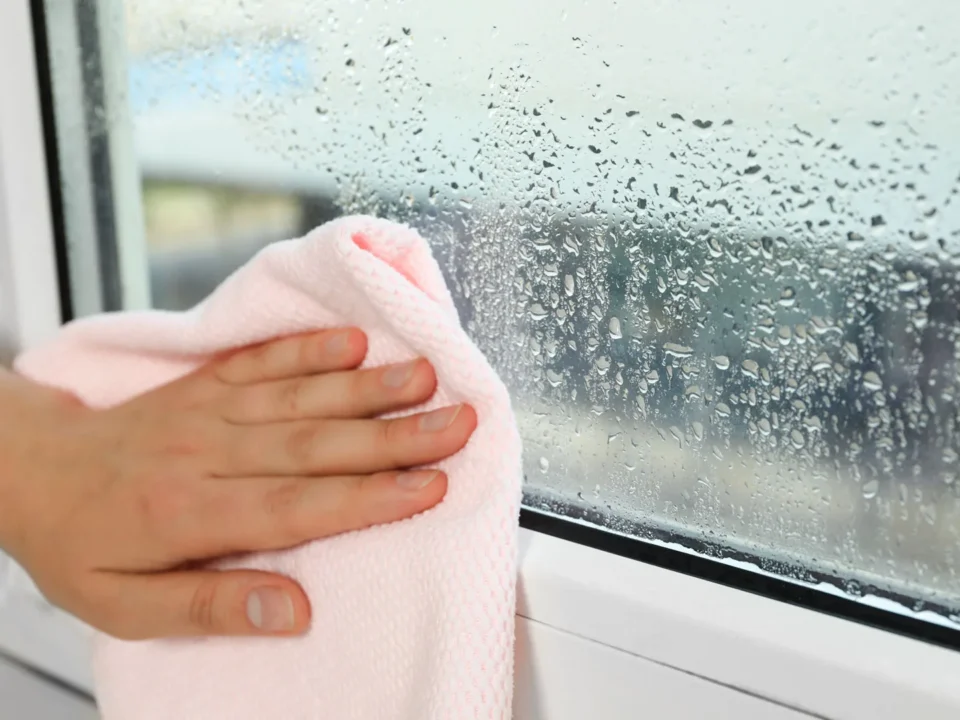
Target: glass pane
(711, 246)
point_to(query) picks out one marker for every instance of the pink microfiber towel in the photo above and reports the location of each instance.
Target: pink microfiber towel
(412, 620)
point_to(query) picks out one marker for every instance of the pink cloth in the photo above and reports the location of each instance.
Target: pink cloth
(411, 620)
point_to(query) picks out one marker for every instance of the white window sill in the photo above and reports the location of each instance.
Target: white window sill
(819, 664)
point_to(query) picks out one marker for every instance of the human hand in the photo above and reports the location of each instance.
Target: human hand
(111, 511)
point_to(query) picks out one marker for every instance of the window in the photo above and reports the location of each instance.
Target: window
(713, 252)
(710, 246)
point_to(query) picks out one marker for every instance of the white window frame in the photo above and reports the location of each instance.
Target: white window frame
(599, 635)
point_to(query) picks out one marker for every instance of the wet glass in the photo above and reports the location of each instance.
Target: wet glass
(710, 246)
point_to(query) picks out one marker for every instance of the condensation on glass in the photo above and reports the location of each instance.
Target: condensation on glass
(711, 246)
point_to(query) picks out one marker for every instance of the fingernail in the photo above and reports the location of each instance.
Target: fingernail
(439, 419)
(398, 375)
(416, 480)
(270, 609)
(338, 343)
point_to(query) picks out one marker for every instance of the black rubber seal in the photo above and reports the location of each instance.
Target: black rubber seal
(52, 154)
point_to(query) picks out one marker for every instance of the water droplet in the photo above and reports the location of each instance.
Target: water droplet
(813, 424)
(750, 368)
(544, 465)
(788, 297)
(871, 381)
(851, 352)
(722, 410)
(870, 489)
(714, 248)
(698, 430)
(653, 377)
(680, 351)
(721, 361)
(819, 325)
(614, 327)
(568, 285)
(537, 312)
(821, 363)
(797, 439)
(909, 283)
(677, 434)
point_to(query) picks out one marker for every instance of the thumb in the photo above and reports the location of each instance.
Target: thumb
(205, 602)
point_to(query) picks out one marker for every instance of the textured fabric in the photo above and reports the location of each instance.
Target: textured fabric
(411, 620)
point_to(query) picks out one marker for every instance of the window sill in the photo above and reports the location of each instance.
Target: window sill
(797, 658)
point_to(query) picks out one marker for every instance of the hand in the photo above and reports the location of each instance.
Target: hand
(111, 510)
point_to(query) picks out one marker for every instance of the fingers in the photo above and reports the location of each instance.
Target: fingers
(251, 515)
(256, 514)
(346, 394)
(205, 602)
(293, 356)
(346, 447)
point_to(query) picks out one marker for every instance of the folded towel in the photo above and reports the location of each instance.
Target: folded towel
(411, 620)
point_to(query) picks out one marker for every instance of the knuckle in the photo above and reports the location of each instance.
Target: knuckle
(241, 405)
(306, 350)
(294, 397)
(392, 438)
(301, 444)
(202, 612)
(283, 506)
(346, 494)
(244, 365)
(283, 500)
(365, 491)
(259, 354)
(345, 504)
(362, 385)
(229, 369)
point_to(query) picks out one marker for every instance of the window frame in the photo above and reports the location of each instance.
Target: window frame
(598, 632)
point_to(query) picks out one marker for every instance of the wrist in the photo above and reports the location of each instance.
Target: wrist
(31, 414)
